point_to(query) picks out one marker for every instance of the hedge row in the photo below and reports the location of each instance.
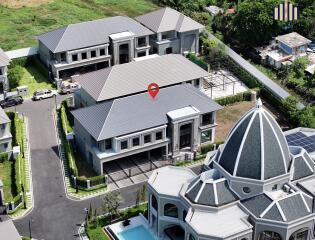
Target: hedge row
(4, 157)
(240, 97)
(204, 149)
(192, 57)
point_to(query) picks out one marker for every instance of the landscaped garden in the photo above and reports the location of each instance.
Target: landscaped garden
(29, 72)
(12, 171)
(20, 24)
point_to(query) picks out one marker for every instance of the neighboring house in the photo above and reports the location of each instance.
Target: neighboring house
(173, 125)
(131, 78)
(284, 50)
(8, 231)
(256, 187)
(5, 134)
(4, 63)
(174, 32)
(92, 45)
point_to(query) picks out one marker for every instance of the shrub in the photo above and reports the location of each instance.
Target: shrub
(204, 149)
(3, 157)
(192, 57)
(240, 97)
(15, 74)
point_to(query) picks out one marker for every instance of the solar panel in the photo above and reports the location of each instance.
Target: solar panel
(301, 140)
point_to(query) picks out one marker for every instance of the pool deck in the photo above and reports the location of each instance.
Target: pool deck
(134, 222)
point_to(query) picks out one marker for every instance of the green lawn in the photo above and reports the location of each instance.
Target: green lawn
(6, 170)
(19, 27)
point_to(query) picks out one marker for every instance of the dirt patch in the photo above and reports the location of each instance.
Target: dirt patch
(23, 3)
(228, 116)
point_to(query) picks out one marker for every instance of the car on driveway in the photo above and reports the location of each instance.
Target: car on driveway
(69, 87)
(47, 93)
(11, 101)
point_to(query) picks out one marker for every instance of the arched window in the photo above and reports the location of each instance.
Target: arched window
(268, 235)
(191, 237)
(154, 202)
(170, 210)
(301, 234)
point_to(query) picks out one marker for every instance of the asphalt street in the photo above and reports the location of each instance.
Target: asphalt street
(54, 216)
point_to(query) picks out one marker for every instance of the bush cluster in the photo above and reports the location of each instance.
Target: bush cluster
(204, 149)
(240, 97)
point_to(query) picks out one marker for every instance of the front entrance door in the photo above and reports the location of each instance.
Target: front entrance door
(124, 53)
(185, 136)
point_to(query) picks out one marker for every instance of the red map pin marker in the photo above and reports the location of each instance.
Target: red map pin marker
(153, 89)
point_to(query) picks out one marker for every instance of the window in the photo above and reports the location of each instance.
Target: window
(206, 136)
(158, 135)
(1, 71)
(141, 42)
(123, 144)
(189, 82)
(2, 126)
(5, 145)
(168, 50)
(274, 187)
(268, 235)
(197, 82)
(191, 237)
(62, 57)
(207, 119)
(184, 215)
(246, 190)
(75, 57)
(108, 144)
(135, 141)
(83, 55)
(154, 50)
(170, 210)
(93, 54)
(167, 35)
(147, 138)
(142, 54)
(154, 202)
(301, 234)
(102, 52)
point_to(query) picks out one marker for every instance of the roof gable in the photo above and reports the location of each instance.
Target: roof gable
(167, 19)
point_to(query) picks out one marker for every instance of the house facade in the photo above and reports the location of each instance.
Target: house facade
(5, 133)
(4, 63)
(284, 50)
(132, 78)
(173, 32)
(254, 187)
(173, 125)
(92, 45)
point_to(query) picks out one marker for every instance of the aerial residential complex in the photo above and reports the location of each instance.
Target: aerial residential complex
(257, 187)
(173, 126)
(70, 50)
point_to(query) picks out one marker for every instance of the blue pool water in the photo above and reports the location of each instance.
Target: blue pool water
(137, 233)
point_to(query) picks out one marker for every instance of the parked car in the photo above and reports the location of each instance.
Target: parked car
(11, 101)
(312, 46)
(47, 93)
(69, 87)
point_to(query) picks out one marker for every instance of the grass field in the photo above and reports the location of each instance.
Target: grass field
(5, 175)
(20, 26)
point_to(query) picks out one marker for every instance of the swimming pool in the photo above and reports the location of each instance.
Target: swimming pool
(137, 233)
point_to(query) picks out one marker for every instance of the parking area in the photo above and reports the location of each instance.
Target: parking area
(133, 169)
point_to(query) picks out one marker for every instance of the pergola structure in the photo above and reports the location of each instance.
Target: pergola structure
(221, 80)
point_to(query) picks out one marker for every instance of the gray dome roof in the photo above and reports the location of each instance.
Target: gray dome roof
(256, 147)
(210, 190)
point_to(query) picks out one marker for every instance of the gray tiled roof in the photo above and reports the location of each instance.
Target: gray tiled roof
(303, 166)
(138, 112)
(4, 59)
(134, 77)
(213, 193)
(256, 143)
(3, 117)
(289, 208)
(167, 19)
(91, 33)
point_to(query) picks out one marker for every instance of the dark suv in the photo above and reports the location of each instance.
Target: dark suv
(11, 101)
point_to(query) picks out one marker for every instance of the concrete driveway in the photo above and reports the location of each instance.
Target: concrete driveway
(54, 216)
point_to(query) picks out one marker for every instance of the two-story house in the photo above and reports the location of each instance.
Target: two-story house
(173, 31)
(256, 188)
(92, 45)
(173, 125)
(4, 63)
(5, 133)
(134, 77)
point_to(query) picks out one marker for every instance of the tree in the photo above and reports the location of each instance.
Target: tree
(15, 74)
(111, 202)
(254, 23)
(213, 51)
(298, 67)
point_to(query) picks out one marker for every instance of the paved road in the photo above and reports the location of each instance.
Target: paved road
(54, 215)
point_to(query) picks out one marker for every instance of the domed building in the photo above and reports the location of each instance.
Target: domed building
(254, 186)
